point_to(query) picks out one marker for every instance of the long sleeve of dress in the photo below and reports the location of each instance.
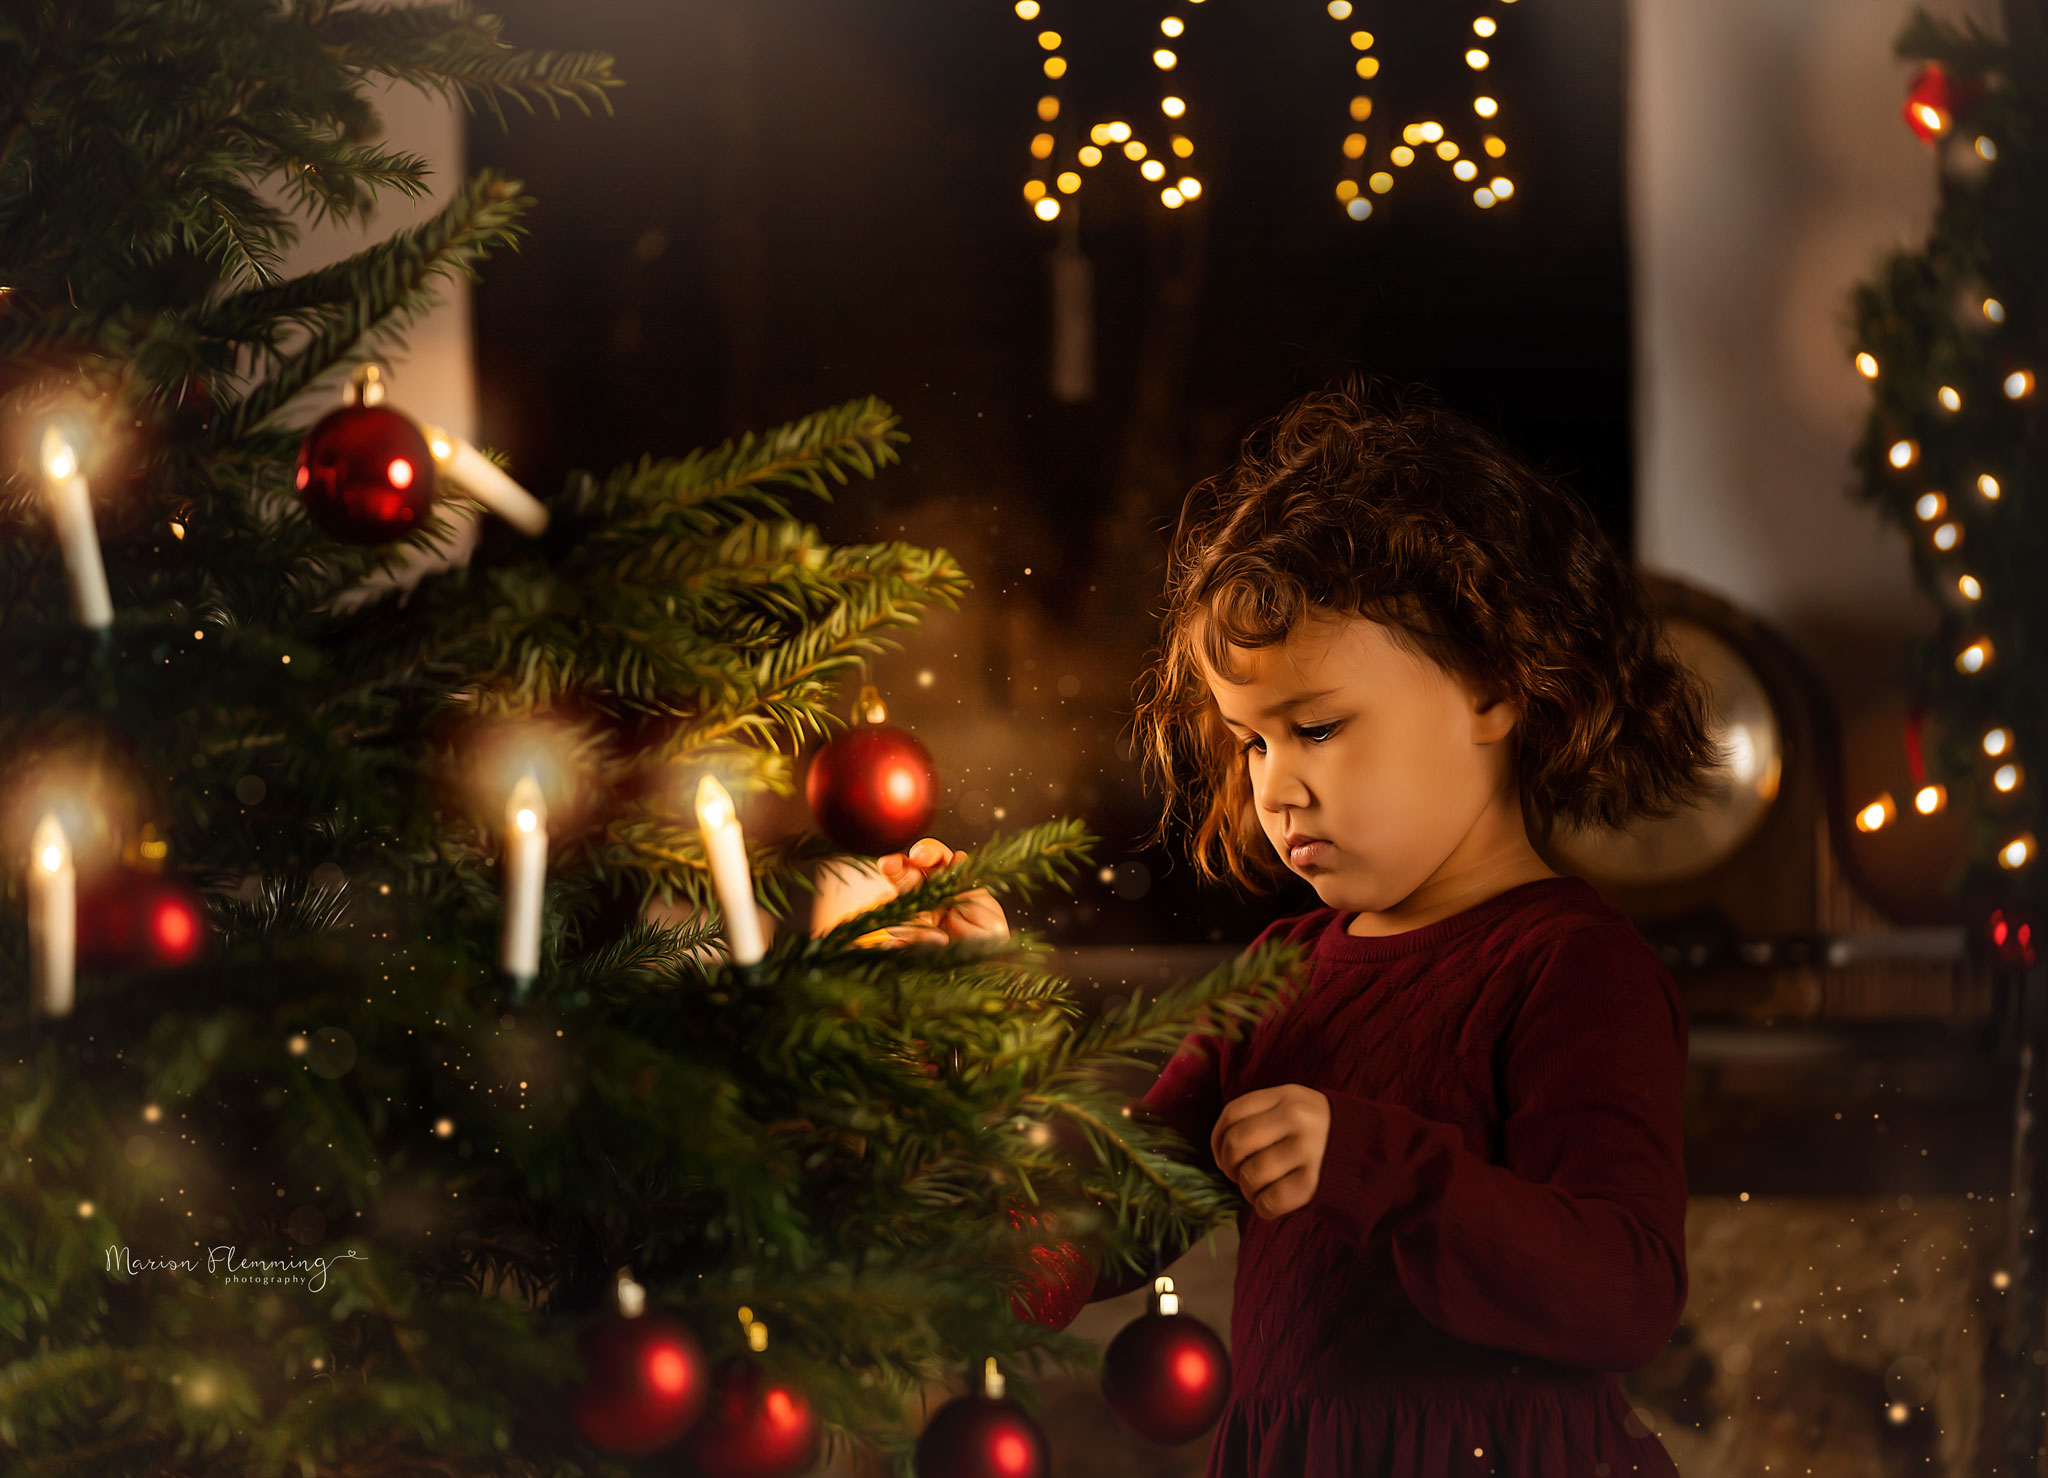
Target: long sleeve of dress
(1572, 1248)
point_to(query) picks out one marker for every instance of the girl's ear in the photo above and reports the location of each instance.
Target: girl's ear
(1494, 718)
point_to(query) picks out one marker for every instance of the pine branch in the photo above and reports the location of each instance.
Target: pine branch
(454, 50)
(858, 436)
(1051, 853)
(393, 282)
(1232, 996)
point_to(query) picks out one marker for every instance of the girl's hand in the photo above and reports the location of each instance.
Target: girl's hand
(973, 915)
(1271, 1143)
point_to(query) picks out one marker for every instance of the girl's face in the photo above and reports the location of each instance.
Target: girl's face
(1402, 773)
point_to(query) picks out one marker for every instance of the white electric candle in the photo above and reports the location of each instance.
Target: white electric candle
(526, 870)
(71, 512)
(52, 920)
(487, 482)
(726, 848)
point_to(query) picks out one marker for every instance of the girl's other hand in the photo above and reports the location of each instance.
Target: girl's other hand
(1271, 1143)
(973, 915)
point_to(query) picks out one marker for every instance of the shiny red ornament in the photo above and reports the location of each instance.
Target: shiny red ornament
(758, 1425)
(872, 789)
(1062, 1278)
(1936, 100)
(134, 920)
(366, 475)
(981, 1436)
(1167, 1375)
(644, 1384)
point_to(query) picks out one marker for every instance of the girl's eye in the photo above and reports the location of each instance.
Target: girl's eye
(1315, 733)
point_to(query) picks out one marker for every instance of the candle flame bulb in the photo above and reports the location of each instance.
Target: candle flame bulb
(486, 482)
(52, 920)
(71, 514)
(714, 803)
(528, 806)
(725, 848)
(59, 460)
(526, 866)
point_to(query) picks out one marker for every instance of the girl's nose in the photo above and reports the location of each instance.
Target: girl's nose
(1281, 788)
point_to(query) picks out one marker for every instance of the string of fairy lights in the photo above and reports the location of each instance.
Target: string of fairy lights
(1107, 135)
(1049, 181)
(1356, 186)
(1943, 520)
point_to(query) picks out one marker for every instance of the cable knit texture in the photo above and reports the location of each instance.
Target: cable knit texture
(1499, 1225)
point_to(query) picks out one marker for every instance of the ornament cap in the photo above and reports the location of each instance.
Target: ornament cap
(1164, 1299)
(366, 385)
(869, 707)
(992, 1380)
(147, 851)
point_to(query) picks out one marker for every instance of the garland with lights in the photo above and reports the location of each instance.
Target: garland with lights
(1052, 145)
(1045, 187)
(1357, 185)
(1949, 339)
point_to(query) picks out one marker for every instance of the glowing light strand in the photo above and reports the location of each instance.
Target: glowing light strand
(1063, 155)
(1362, 178)
(1933, 508)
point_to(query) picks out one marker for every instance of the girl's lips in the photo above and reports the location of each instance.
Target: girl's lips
(1309, 854)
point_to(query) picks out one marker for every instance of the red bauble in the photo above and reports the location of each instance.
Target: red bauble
(644, 1383)
(366, 475)
(758, 1426)
(1936, 100)
(1061, 1280)
(1167, 1376)
(982, 1437)
(872, 789)
(133, 920)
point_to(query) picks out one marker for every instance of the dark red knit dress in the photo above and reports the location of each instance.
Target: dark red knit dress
(1500, 1219)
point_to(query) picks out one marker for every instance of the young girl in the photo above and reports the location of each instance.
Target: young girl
(1391, 652)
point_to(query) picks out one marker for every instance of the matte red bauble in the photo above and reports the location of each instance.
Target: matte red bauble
(366, 475)
(872, 789)
(644, 1384)
(982, 1436)
(1061, 1280)
(1166, 1374)
(758, 1426)
(133, 920)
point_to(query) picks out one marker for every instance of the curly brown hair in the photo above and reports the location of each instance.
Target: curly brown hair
(1384, 503)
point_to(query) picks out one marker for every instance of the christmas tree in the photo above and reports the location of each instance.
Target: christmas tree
(360, 1120)
(1951, 338)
